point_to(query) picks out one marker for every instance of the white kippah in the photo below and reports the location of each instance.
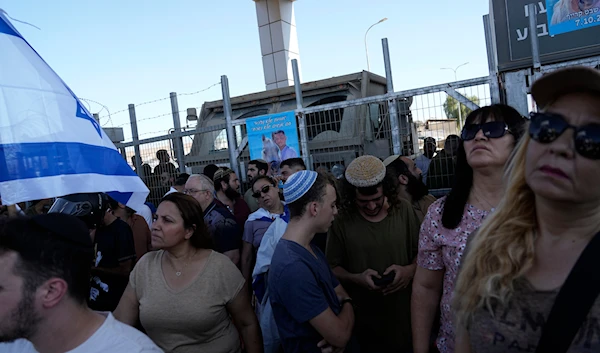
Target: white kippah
(390, 159)
(365, 171)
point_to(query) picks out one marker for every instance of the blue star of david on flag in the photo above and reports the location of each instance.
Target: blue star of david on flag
(84, 114)
(47, 148)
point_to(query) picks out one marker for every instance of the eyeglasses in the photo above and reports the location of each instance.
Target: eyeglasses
(492, 129)
(264, 190)
(546, 127)
(192, 191)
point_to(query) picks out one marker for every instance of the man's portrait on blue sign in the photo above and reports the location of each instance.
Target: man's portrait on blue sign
(571, 15)
(273, 138)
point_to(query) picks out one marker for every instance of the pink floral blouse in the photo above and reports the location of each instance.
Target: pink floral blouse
(442, 249)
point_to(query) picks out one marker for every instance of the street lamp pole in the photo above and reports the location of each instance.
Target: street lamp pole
(366, 47)
(456, 79)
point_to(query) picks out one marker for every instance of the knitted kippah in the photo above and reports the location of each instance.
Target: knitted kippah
(365, 171)
(221, 173)
(390, 159)
(298, 185)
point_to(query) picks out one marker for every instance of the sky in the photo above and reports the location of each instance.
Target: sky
(121, 52)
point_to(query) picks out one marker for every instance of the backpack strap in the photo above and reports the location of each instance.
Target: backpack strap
(573, 302)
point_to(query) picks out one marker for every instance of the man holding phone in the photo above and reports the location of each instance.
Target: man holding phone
(372, 249)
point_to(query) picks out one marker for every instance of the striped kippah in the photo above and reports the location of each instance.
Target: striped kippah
(298, 185)
(365, 171)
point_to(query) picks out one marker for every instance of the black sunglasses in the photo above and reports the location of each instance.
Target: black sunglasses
(264, 190)
(492, 129)
(547, 127)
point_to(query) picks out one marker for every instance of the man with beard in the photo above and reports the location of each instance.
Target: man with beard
(226, 234)
(408, 179)
(227, 185)
(442, 167)
(45, 282)
(372, 248)
(423, 160)
(256, 168)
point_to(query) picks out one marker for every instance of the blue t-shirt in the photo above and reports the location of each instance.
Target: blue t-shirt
(301, 287)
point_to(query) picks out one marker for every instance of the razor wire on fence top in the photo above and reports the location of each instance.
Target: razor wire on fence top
(337, 132)
(337, 128)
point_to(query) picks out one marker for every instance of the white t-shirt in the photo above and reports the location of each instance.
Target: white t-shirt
(172, 190)
(113, 336)
(145, 212)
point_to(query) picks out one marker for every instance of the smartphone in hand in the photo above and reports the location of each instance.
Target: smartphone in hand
(384, 280)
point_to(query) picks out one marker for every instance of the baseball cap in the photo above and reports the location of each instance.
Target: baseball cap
(551, 86)
(66, 228)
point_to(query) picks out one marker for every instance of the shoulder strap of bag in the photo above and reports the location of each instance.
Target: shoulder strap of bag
(573, 302)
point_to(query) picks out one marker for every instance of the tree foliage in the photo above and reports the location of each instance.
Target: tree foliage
(451, 108)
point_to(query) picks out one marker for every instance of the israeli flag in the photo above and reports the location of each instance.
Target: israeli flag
(50, 144)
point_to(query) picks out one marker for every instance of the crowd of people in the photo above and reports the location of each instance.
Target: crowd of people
(308, 262)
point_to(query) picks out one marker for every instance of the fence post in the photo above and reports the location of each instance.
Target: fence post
(535, 45)
(301, 120)
(230, 132)
(392, 107)
(136, 141)
(177, 141)
(123, 152)
(492, 61)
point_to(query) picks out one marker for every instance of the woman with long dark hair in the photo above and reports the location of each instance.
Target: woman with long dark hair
(487, 140)
(542, 241)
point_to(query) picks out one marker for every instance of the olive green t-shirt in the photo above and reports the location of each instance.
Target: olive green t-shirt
(356, 245)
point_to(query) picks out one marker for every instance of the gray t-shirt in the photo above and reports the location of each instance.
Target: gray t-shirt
(194, 318)
(517, 326)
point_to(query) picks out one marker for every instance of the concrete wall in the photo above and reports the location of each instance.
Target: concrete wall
(278, 41)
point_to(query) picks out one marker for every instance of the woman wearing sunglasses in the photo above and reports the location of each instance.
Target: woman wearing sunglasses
(266, 192)
(487, 140)
(519, 260)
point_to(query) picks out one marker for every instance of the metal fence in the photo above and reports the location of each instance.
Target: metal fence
(339, 132)
(334, 134)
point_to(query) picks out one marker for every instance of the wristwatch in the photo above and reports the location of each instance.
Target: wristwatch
(346, 300)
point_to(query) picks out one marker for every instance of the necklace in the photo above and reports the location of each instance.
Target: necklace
(179, 272)
(227, 203)
(492, 208)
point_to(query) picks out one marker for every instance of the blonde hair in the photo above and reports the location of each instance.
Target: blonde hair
(503, 248)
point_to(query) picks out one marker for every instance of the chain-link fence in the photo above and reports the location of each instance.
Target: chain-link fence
(423, 123)
(336, 134)
(429, 120)
(340, 132)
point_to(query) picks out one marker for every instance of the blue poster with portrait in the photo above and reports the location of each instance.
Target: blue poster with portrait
(273, 138)
(572, 15)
